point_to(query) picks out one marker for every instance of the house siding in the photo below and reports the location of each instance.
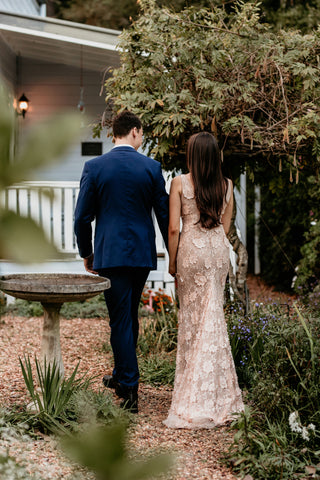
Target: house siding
(26, 7)
(7, 65)
(53, 89)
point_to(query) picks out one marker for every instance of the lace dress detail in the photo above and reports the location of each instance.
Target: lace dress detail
(206, 390)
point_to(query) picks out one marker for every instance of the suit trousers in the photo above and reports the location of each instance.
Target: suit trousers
(122, 299)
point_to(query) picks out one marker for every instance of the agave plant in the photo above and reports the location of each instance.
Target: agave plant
(51, 397)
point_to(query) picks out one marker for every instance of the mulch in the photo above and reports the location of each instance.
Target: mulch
(198, 452)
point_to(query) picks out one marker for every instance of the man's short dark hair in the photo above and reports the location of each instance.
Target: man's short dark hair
(124, 122)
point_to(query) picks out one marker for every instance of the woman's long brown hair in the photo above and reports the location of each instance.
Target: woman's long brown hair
(210, 186)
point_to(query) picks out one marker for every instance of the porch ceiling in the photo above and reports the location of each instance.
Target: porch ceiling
(58, 41)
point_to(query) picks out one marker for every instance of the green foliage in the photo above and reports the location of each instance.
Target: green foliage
(309, 267)
(91, 308)
(101, 13)
(158, 368)
(157, 344)
(268, 449)
(277, 357)
(308, 271)
(158, 333)
(102, 450)
(21, 239)
(112, 13)
(291, 380)
(3, 302)
(297, 14)
(87, 408)
(51, 402)
(285, 217)
(200, 69)
(24, 308)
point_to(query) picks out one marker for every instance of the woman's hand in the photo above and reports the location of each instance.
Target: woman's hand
(172, 269)
(174, 223)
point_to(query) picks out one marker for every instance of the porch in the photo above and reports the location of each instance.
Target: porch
(51, 205)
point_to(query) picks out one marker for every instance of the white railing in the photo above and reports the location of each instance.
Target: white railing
(51, 205)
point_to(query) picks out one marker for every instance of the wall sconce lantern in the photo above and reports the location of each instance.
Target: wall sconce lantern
(23, 104)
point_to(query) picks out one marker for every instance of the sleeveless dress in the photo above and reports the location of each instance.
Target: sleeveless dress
(206, 390)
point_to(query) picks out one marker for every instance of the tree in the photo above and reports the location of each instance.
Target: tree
(297, 14)
(256, 90)
(101, 13)
(200, 69)
(280, 14)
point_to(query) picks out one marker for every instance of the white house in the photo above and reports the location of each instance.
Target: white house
(61, 65)
(57, 65)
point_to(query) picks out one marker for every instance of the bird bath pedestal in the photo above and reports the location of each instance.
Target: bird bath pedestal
(52, 290)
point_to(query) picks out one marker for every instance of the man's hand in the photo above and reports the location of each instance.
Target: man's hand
(88, 264)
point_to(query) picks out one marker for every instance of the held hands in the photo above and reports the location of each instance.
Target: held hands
(172, 269)
(88, 264)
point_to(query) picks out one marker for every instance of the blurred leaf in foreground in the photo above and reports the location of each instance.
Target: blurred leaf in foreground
(21, 239)
(102, 450)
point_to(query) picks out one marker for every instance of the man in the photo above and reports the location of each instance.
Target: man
(119, 190)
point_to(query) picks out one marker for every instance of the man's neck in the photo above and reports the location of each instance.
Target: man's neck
(123, 141)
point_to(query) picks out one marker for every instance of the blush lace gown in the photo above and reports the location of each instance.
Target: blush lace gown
(206, 390)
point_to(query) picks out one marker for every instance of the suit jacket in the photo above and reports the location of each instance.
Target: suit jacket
(119, 190)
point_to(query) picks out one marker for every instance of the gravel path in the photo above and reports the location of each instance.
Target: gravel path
(198, 452)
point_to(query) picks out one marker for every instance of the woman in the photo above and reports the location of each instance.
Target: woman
(206, 390)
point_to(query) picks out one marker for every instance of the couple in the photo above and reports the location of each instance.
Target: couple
(119, 190)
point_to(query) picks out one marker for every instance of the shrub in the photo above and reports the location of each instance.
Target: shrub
(308, 271)
(248, 334)
(158, 333)
(273, 450)
(50, 400)
(159, 300)
(278, 356)
(158, 369)
(91, 308)
(24, 308)
(157, 339)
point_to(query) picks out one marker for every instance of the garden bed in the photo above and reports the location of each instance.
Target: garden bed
(199, 452)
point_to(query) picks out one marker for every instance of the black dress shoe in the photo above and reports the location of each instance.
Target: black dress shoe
(109, 382)
(130, 399)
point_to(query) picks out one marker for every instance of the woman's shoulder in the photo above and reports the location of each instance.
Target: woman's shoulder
(176, 183)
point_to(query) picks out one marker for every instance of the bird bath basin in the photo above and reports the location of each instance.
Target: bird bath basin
(52, 290)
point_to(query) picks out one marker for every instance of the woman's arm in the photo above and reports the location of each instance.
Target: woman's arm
(174, 223)
(227, 215)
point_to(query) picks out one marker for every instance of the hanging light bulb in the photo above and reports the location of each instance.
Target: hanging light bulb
(81, 105)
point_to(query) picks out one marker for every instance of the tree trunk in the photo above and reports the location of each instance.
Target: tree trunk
(238, 280)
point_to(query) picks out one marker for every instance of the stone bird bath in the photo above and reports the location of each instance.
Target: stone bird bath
(52, 290)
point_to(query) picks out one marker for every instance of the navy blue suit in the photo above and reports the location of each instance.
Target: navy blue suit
(119, 190)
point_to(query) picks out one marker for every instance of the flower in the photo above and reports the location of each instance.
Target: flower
(305, 434)
(295, 425)
(294, 422)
